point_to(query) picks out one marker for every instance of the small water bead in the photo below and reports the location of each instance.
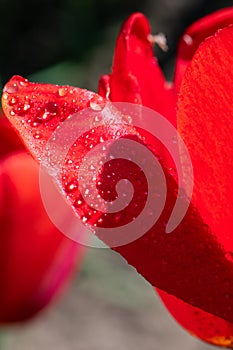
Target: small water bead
(96, 103)
(71, 187)
(12, 113)
(188, 39)
(37, 135)
(91, 167)
(97, 118)
(78, 203)
(62, 92)
(50, 110)
(11, 88)
(84, 219)
(12, 101)
(5, 96)
(20, 80)
(22, 109)
(172, 171)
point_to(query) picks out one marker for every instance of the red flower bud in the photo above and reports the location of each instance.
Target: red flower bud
(36, 259)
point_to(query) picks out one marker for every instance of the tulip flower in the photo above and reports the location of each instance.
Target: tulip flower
(36, 260)
(193, 264)
(148, 87)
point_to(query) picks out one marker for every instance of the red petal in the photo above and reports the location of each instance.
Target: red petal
(35, 259)
(136, 76)
(182, 263)
(104, 86)
(9, 142)
(39, 108)
(195, 35)
(205, 123)
(207, 327)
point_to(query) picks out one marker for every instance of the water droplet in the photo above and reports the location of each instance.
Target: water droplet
(97, 118)
(22, 109)
(70, 161)
(84, 219)
(12, 113)
(22, 81)
(50, 110)
(71, 186)
(5, 96)
(62, 92)
(11, 88)
(188, 39)
(26, 107)
(78, 203)
(172, 171)
(91, 167)
(96, 103)
(12, 101)
(37, 135)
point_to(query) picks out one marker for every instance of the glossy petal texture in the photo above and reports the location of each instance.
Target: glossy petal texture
(36, 259)
(39, 108)
(136, 75)
(212, 154)
(195, 35)
(182, 263)
(205, 325)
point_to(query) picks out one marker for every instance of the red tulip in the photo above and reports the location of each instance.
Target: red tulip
(204, 120)
(191, 263)
(36, 259)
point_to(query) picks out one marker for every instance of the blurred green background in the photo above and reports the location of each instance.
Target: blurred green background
(109, 306)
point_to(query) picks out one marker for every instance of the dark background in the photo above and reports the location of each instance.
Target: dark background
(36, 35)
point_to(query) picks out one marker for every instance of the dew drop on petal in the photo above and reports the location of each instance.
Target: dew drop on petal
(72, 186)
(84, 219)
(188, 39)
(5, 96)
(91, 167)
(78, 203)
(12, 101)
(37, 135)
(96, 103)
(11, 88)
(49, 111)
(62, 92)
